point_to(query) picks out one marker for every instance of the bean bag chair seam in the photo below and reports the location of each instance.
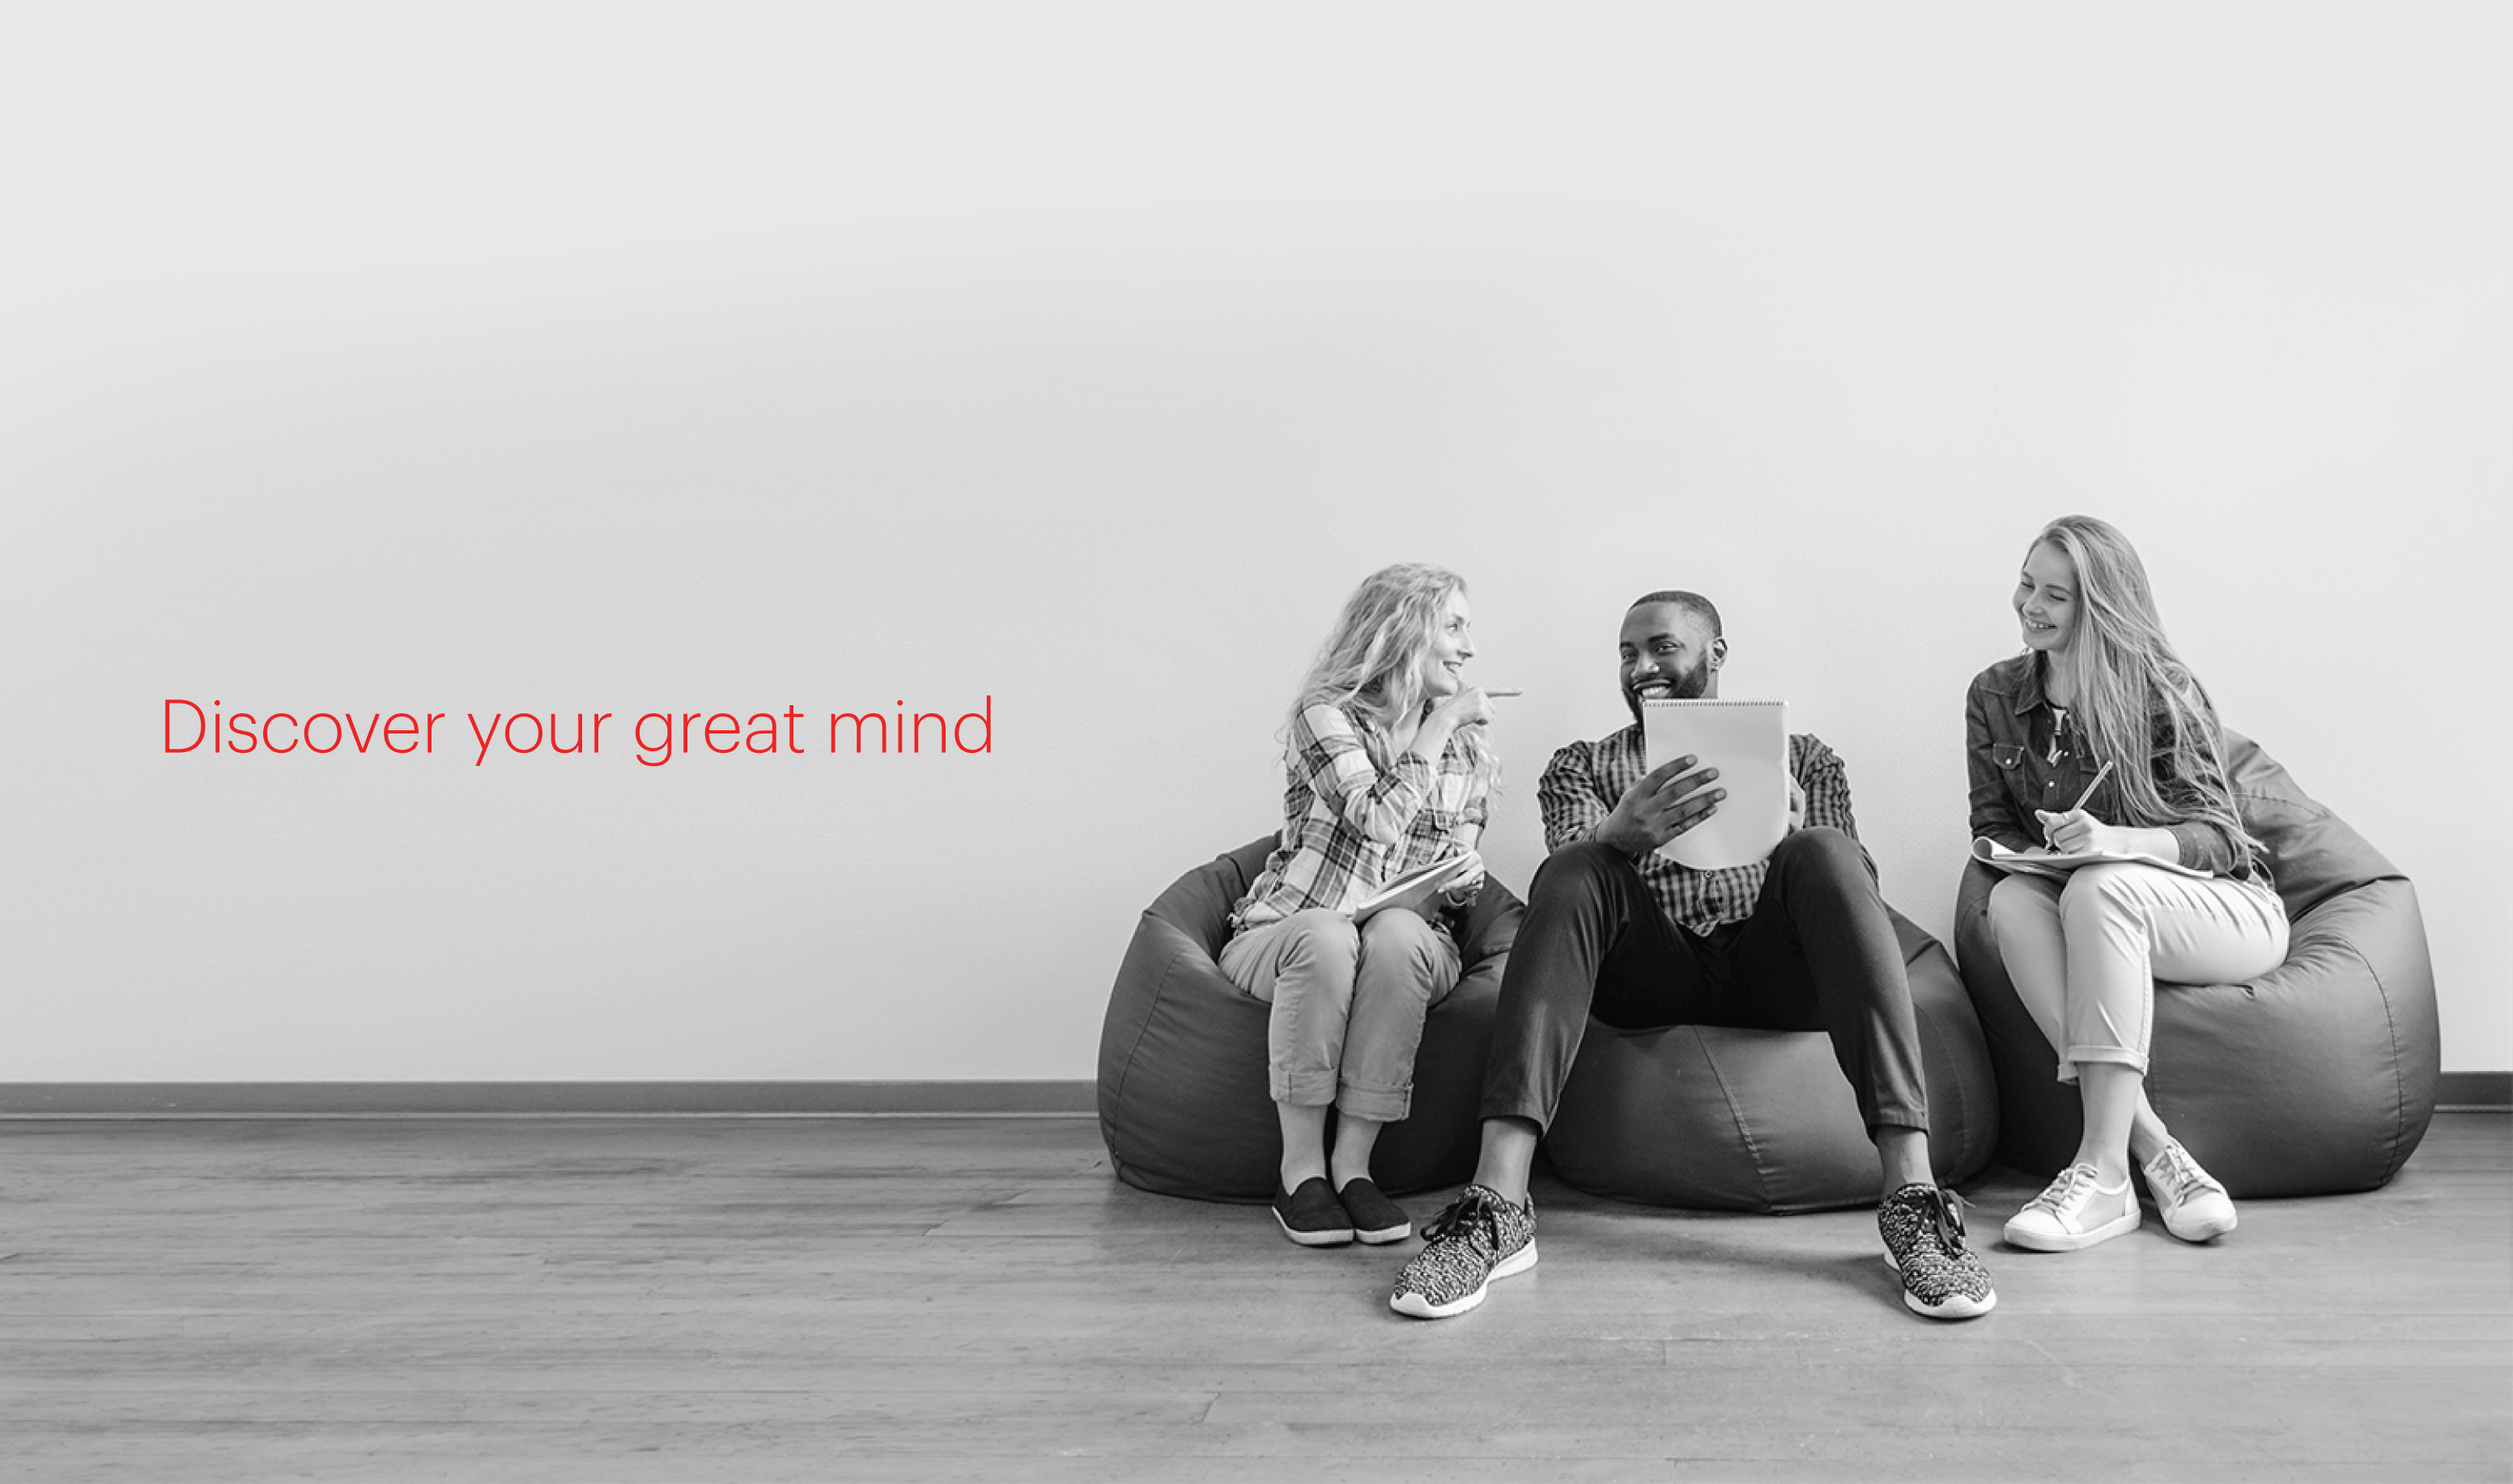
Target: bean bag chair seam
(2390, 1029)
(1144, 1028)
(2399, 1083)
(1737, 1115)
(2313, 807)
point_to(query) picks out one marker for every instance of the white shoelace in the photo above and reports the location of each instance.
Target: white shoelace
(2072, 1180)
(2183, 1172)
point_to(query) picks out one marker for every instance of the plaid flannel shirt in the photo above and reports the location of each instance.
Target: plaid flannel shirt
(1582, 784)
(1349, 826)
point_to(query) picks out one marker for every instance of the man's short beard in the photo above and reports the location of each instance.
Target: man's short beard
(1687, 686)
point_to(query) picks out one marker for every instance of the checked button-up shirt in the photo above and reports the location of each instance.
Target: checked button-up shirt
(1585, 780)
(1350, 825)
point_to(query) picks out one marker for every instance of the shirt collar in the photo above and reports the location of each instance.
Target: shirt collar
(2029, 693)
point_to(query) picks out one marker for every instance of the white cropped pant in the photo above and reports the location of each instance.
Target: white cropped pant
(2085, 956)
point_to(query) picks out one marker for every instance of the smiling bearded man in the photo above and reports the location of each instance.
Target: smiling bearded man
(1799, 940)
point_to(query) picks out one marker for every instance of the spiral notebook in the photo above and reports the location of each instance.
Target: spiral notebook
(2055, 866)
(1748, 742)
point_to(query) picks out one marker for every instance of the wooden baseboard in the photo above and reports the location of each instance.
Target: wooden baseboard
(2487, 1090)
(2475, 1090)
(441, 1100)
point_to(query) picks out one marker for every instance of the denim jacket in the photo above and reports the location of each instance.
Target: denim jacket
(2021, 758)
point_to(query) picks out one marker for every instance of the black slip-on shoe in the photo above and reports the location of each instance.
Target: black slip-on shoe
(1375, 1217)
(1311, 1216)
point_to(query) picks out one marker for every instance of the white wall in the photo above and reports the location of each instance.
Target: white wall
(615, 359)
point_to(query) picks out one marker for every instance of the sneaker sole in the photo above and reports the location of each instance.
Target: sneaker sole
(1332, 1237)
(2072, 1241)
(1415, 1306)
(1956, 1306)
(1385, 1234)
(2205, 1232)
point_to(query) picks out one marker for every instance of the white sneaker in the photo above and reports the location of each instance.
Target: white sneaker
(2075, 1212)
(2195, 1208)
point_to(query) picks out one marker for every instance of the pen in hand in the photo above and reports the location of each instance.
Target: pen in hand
(2099, 775)
(1502, 691)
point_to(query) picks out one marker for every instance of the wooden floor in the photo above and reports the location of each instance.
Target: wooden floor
(976, 1299)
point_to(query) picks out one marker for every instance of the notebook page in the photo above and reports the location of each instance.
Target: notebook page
(1748, 742)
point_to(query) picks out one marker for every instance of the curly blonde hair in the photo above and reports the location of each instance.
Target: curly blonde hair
(1372, 662)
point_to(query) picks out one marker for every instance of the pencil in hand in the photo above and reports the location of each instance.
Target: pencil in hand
(2100, 774)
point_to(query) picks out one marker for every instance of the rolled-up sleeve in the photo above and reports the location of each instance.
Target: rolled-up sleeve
(1567, 797)
(1825, 782)
(2207, 847)
(1375, 805)
(1469, 835)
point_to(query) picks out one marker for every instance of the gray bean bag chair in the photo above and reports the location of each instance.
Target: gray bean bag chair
(2319, 1077)
(1183, 1102)
(1721, 1119)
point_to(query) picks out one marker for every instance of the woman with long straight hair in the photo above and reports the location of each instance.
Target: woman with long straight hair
(2099, 702)
(1387, 769)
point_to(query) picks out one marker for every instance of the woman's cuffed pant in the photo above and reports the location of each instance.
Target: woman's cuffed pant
(1348, 1005)
(2085, 956)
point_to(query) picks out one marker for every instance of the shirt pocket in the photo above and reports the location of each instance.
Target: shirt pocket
(2009, 757)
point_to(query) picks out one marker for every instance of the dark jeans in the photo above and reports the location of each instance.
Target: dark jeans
(1818, 955)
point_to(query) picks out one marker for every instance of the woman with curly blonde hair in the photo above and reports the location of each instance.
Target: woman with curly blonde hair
(2100, 708)
(1387, 770)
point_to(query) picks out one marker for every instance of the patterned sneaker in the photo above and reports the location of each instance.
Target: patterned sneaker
(1478, 1237)
(1375, 1217)
(1311, 1216)
(2194, 1205)
(2074, 1213)
(1924, 1241)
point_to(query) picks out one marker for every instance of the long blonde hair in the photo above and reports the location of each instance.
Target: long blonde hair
(2137, 703)
(1373, 660)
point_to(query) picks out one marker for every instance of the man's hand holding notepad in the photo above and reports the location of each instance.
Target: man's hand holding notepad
(1748, 742)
